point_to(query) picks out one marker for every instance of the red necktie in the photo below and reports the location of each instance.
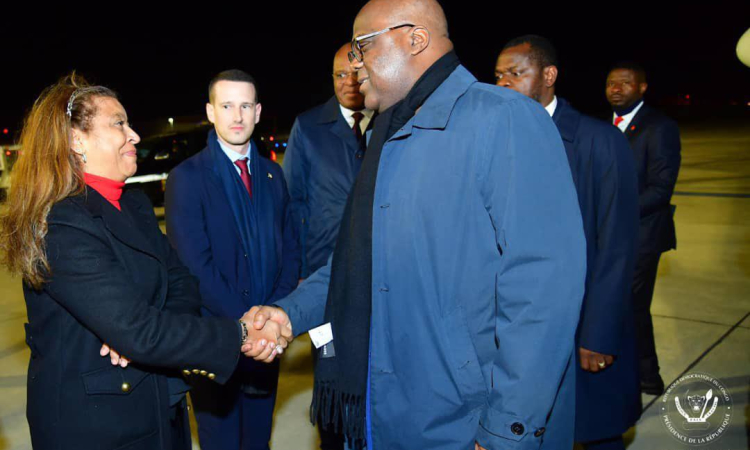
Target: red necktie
(245, 175)
(357, 129)
(618, 119)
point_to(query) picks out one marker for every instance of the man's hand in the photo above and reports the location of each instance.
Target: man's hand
(115, 357)
(478, 447)
(273, 314)
(594, 362)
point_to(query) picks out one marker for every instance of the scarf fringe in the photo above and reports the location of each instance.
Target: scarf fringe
(327, 409)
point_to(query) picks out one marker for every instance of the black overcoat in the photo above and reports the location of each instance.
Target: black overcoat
(114, 278)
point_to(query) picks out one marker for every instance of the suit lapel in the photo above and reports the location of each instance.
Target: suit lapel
(638, 122)
(127, 231)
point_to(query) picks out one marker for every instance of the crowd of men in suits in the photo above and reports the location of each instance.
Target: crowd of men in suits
(249, 232)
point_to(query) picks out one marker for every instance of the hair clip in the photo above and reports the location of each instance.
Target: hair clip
(69, 109)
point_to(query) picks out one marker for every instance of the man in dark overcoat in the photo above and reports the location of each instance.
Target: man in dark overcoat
(607, 395)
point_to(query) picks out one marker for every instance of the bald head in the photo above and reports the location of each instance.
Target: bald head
(395, 59)
(341, 59)
(427, 13)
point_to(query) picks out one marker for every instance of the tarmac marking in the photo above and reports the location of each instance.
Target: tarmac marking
(700, 358)
(711, 194)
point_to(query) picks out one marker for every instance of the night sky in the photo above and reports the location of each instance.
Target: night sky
(160, 62)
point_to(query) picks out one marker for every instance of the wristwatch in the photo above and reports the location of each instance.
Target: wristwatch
(244, 332)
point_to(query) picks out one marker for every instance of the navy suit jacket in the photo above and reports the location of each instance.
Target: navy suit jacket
(603, 169)
(321, 163)
(655, 140)
(239, 263)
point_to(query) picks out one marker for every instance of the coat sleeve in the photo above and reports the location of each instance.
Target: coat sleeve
(290, 265)
(611, 271)
(186, 229)
(296, 174)
(87, 280)
(306, 306)
(663, 166)
(528, 192)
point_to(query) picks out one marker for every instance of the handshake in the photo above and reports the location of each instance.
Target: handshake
(269, 332)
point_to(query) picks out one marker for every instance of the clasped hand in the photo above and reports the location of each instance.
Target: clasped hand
(269, 332)
(265, 338)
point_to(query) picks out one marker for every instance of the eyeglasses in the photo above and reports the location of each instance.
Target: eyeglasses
(341, 76)
(356, 53)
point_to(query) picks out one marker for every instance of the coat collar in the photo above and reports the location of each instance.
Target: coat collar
(130, 232)
(567, 119)
(330, 112)
(437, 109)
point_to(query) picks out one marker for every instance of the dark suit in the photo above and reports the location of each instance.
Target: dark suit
(244, 253)
(320, 164)
(603, 169)
(655, 141)
(115, 279)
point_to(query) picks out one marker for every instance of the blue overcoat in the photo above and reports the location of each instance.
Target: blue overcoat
(478, 267)
(603, 168)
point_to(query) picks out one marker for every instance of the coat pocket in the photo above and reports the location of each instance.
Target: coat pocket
(462, 355)
(113, 380)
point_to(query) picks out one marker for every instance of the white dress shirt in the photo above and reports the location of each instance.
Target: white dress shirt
(347, 113)
(552, 106)
(627, 118)
(234, 156)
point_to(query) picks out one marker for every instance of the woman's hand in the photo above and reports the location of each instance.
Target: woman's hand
(115, 357)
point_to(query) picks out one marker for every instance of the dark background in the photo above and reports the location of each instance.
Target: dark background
(160, 62)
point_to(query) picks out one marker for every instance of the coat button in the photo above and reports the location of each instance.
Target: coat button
(125, 387)
(245, 293)
(186, 372)
(204, 373)
(539, 432)
(516, 429)
(196, 371)
(211, 376)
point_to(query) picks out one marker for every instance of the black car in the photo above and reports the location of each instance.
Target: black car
(158, 155)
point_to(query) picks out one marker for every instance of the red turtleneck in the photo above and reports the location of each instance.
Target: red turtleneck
(109, 189)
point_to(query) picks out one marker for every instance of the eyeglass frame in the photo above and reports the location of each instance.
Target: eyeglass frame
(340, 76)
(356, 49)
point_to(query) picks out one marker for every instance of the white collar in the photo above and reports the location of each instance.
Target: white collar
(231, 154)
(629, 116)
(552, 106)
(347, 113)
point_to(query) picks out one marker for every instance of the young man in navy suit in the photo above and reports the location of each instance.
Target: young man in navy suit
(655, 141)
(229, 219)
(608, 400)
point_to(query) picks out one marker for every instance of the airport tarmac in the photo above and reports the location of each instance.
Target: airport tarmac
(701, 308)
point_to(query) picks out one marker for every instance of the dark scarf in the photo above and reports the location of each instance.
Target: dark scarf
(341, 381)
